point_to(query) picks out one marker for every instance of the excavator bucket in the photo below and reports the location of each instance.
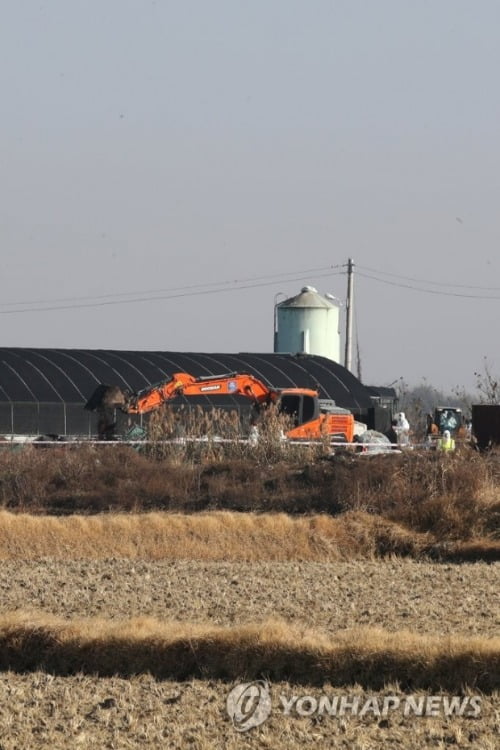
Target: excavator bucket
(106, 397)
(104, 400)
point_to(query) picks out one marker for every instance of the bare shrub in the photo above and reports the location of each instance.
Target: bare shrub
(453, 497)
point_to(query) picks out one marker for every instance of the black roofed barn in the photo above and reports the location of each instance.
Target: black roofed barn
(44, 391)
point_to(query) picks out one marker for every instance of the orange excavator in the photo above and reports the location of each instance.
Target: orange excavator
(313, 418)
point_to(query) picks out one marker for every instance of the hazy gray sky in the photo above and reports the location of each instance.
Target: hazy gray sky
(163, 145)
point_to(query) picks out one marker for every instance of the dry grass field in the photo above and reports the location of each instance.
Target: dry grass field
(423, 597)
(57, 713)
(365, 579)
(429, 599)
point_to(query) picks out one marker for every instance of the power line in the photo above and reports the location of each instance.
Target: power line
(105, 302)
(278, 276)
(193, 290)
(426, 281)
(439, 292)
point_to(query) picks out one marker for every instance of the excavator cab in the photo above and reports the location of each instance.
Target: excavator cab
(300, 407)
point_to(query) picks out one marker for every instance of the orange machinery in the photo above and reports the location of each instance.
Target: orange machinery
(313, 418)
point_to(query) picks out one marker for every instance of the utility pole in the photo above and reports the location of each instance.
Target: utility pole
(348, 322)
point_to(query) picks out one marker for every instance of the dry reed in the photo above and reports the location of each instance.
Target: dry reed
(224, 536)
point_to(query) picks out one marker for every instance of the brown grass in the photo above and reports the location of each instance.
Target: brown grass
(223, 536)
(61, 689)
(453, 497)
(45, 711)
(275, 649)
(394, 593)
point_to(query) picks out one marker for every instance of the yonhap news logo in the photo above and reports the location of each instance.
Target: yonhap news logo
(249, 704)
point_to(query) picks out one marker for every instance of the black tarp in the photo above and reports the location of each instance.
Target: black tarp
(43, 391)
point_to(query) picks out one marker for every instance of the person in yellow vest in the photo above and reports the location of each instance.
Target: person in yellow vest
(446, 443)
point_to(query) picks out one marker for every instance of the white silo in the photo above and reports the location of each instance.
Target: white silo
(308, 323)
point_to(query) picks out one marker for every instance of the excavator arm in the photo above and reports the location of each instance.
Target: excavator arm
(183, 384)
(301, 404)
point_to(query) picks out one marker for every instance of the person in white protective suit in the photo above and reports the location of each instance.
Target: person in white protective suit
(402, 429)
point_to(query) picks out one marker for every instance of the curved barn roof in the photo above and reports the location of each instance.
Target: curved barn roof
(72, 375)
